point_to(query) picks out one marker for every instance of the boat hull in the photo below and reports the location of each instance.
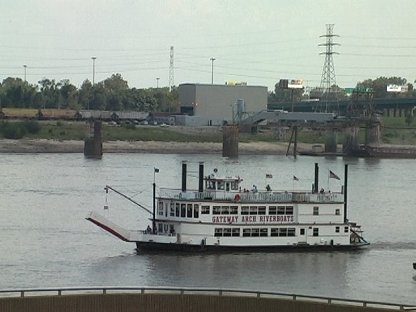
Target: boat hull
(154, 246)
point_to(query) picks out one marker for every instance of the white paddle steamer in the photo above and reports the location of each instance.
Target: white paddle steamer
(221, 216)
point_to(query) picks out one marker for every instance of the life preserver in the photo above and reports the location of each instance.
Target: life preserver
(237, 197)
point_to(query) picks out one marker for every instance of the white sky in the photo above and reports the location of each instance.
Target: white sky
(258, 42)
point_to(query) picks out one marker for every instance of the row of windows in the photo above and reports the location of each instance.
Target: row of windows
(179, 210)
(192, 210)
(264, 232)
(248, 210)
(254, 232)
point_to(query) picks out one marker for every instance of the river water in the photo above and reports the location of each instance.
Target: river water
(46, 241)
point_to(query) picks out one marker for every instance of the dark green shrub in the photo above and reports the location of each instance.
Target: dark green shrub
(31, 126)
(13, 131)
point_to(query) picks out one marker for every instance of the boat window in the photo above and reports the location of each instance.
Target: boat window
(315, 231)
(171, 229)
(253, 210)
(274, 232)
(234, 185)
(315, 210)
(172, 209)
(227, 186)
(337, 212)
(289, 210)
(346, 229)
(227, 232)
(220, 185)
(262, 210)
(236, 232)
(234, 210)
(255, 232)
(177, 209)
(218, 232)
(225, 210)
(337, 229)
(189, 211)
(272, 210)
(160, 209)
(246, 232)
(244, 210)
(210, 185)
(263, 232)
(183, 210)
(281, 210)
(216, 210)
(282, 231)
(302, 231)
(166, 209)
(291, 232)
(196, 211)
(160, 227)
(205, 209)
(165, 228)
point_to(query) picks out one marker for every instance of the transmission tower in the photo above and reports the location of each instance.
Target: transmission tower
(171, 77)
(328, 72)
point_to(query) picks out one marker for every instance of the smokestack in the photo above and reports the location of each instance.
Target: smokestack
(345, 193)
(316, 178)
(201, 177)
(184, 176)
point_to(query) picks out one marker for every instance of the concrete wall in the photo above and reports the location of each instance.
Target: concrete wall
(170, 303)
(215, 102)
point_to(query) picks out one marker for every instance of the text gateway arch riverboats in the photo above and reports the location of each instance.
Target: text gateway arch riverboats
(220, 216)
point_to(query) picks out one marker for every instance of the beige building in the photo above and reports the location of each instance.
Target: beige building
(214, 104)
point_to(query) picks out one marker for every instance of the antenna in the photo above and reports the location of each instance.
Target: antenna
(171, 74)
(328, 72)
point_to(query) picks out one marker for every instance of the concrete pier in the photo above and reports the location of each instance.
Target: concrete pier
(230, 141)
(331, 141)
(351, 142)
(93, 144)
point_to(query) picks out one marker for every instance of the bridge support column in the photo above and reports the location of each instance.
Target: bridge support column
(351, 140)
(230, 138)
(372, 135)
(331, 141)
(93, 144)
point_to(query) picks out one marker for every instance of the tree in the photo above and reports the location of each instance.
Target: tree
(379, 86)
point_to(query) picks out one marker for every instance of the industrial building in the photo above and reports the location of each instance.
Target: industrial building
(211, 104)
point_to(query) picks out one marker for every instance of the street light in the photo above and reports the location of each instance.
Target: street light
(212, 69)
(25, 66)
(157, 83)
(93, 69)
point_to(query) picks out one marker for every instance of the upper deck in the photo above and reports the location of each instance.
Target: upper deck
(253, 197)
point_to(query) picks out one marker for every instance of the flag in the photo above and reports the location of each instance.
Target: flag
(295, 178)
(156, 170)
(333, 175)
(269, 176)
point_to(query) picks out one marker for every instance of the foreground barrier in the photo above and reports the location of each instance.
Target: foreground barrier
(155, 299)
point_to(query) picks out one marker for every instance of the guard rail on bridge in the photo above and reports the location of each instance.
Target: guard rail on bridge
(178, 299)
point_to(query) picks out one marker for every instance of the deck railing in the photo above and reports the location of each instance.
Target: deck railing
(31, 292)
(261, 197)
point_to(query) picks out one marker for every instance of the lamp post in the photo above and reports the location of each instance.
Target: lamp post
(157, 83)
(25, 67)
(93, 69)
(212, 69)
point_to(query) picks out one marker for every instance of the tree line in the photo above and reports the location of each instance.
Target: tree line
(378, 87)
(112, 94)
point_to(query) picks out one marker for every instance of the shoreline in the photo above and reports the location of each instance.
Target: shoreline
(35, 146)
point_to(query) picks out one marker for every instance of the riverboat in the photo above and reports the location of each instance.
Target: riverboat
(220, 216)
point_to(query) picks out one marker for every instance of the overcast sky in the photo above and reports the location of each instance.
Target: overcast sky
(258, 42)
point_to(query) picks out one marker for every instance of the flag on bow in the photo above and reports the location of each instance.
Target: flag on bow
(333, 175)
(295, 178)
(269, 176)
